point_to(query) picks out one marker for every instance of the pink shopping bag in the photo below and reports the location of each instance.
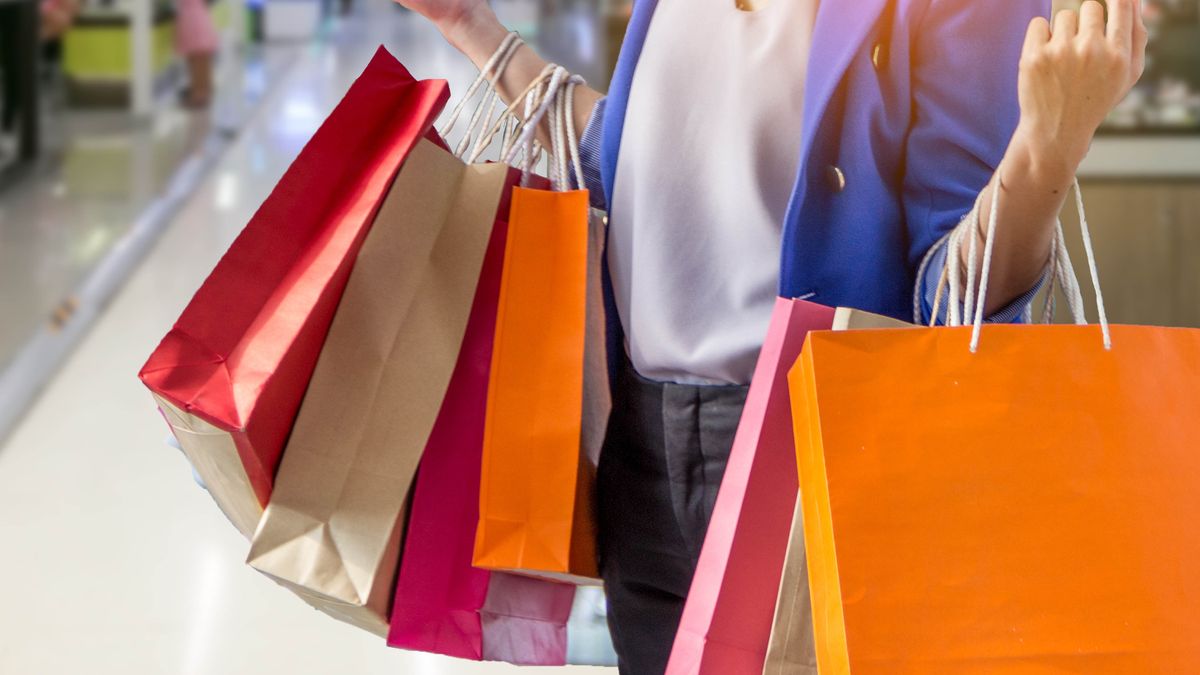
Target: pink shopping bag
(726, 624)
(443, 605)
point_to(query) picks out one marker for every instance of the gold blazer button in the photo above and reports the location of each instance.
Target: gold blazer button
(837, 178)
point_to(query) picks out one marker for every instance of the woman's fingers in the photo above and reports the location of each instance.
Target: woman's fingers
(1120, 23)
(1073, 72)
(1037, 35)
(1091, 20)
(1140, 37)
(1066, 26)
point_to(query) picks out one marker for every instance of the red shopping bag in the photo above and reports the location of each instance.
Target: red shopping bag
(443, 604)
(231, 373)
(726, 623)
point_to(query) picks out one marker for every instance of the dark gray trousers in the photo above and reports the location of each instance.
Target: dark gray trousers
(662, 464)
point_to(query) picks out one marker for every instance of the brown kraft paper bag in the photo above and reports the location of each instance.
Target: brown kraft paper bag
(791, 650)
(332, 529)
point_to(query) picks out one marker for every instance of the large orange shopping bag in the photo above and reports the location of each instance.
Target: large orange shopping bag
(726, 622)
(1030, 508)
(1027, 508)
(231, 373)
(548, 398)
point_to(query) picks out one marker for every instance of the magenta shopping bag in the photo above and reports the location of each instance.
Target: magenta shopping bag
(726, 622)
(443, 605)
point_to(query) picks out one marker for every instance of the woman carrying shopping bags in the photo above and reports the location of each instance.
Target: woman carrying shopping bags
(817, 149)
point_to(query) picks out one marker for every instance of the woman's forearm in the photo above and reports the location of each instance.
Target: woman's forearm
(1071, 76)
(1034, 185)
(478, 34)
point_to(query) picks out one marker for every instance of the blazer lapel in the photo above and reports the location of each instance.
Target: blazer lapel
(841, 29)
(618, 94)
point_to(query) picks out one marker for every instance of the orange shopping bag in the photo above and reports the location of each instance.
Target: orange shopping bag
(548, 393)
(1029, 507)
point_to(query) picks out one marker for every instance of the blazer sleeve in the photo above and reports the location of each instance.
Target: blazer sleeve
(965, 58)
(590, 150)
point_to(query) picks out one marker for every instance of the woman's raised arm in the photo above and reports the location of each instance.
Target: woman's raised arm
(1071, 76)
(472, 27)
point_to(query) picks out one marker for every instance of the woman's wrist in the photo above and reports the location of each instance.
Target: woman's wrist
(476, 32)
(1039, 161)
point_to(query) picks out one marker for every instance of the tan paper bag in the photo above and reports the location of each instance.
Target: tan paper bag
(333, 527)
(213, 454)
(791, 650)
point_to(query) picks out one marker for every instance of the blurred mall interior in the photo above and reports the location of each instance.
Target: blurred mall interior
(123, 178)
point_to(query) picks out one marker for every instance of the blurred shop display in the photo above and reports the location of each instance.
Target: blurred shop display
(1168, 97)
(1147, 241)
(290, 19)
(98, 53)
(108, 61)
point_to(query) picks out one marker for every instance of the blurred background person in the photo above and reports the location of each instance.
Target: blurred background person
(57, 16)
(196, 40)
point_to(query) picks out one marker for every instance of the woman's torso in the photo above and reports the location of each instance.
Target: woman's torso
(708, 162)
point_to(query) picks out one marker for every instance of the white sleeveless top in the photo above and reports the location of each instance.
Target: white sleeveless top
(706, 168)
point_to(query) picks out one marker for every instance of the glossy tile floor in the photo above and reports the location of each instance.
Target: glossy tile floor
(98, 171)
(113, 560)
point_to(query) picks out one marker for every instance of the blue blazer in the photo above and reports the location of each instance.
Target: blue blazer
(910, 107)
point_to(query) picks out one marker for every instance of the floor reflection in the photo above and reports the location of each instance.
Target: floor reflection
(100, 170)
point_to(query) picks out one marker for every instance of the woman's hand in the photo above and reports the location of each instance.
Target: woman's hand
(1073, 74)
(472, 27)
(456, 19)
